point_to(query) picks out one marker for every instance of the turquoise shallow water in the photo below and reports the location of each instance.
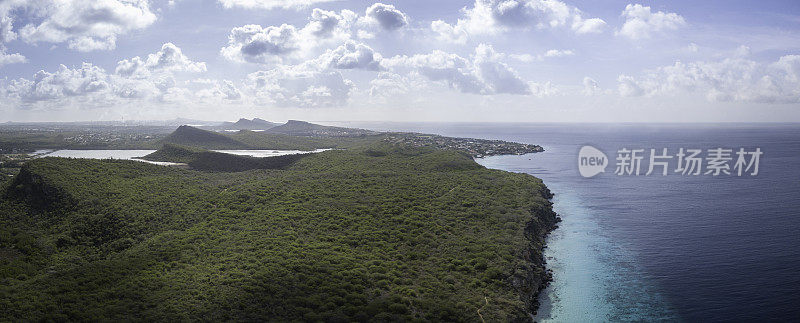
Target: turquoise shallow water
(594, 278)
(670, 248)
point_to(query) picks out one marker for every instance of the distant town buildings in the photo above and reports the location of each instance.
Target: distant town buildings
(477, 148)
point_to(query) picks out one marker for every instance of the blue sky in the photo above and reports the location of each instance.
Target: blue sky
(483, 60)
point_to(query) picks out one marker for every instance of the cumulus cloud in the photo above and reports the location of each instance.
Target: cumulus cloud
(733, 79)
(352, 55)
(252, 43)
(169, 58)
(65, 82)
(329, 24)
(88, 85)
(83, 25)
(298, 86)
(590, 86)
(493, 16)
(7, 33)
(496, 75)
(588, 26)
(641, 23)
(387, 85)
(484, 73)
(454, 70)
(270, 4)
(15, 58)
(386, 16)
(316, 82)
(450, 33)
(220, 89)
(279, 44)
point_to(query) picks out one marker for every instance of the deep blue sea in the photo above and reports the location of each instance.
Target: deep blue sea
(673, 248)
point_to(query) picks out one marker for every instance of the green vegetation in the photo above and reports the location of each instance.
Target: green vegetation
(194, 137)
(377, 232)
(263, 140)
(174, 153)
(205, 160)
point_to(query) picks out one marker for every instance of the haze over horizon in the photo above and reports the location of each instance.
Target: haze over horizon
(466, 61)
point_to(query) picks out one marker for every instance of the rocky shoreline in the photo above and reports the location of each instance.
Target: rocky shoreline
(535, 277)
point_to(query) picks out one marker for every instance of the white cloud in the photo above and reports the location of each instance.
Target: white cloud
(733, 79)
(90, 86)
(483, 74)
(352, 55)
(7, 33)
(496, 75)
(299, 86)
(329, 24)
(525, 58)
(588, 26)
(287, 43)
(66, 82)
(386, 16)
(223, 89)
(252, 43)
(543, 89)
(493, 16)
(169, 58)
(270, 4)
(590, 86)
(15, 58)
(559, 53)
(449, 33)
(83, 25)
(641, 23)
(552, 53)
(452, 69)
(742, 51)
(388, 85)
(628, 86)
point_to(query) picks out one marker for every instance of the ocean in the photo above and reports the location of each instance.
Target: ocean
(671, 248)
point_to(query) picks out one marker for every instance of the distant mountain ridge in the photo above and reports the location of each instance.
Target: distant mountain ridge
(303, 128)
(245, 124)
(194, 137)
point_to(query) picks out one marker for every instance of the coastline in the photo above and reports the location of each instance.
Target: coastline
(537, 276)
(544, 220)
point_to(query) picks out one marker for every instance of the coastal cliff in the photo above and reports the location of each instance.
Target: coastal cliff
(535, 277)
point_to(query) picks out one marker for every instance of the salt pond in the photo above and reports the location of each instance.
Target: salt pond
(137, 154)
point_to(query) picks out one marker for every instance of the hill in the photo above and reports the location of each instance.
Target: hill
(378, 233)
(205, 160)
(194, 137)
(245, 124)
(302, 128)
(173, 153)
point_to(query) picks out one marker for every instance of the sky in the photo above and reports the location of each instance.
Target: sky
(412, 60)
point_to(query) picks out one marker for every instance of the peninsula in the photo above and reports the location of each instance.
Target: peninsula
(384, 227)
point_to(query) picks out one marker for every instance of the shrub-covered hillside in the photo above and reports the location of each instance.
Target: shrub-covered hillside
(204, 160)
(374, 234)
